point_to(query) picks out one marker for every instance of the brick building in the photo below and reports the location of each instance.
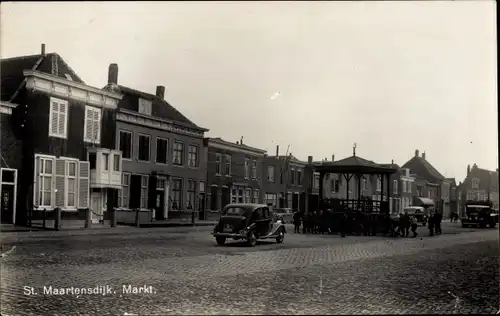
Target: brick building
(479, 185)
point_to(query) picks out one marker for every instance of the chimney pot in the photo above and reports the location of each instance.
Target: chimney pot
(392, 161)
(416, 152)
(423, 155)
(113, 74)
(309, 159)
(160, 92)
(43, 50)
(277, 150)
(333, 157)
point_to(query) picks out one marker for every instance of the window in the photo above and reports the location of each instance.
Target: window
(45, 174)
(292, 176)
(254, 169)
(193, 156)
(144, 151)
(58, 118)
(403, 186)
(71, 184)
(289, 199)
(271, 199)
(316, 181)
(105, 161)
(364, 184)
(218, 164)
(395, 186)
(408, 186)
(92, 160)
(125, 144)
(123, 194)
(240, 195)
(202, 187)
(161, 150)
(248, 196)
(191, 194)
(379, 185)
(475, 183)
(92, 128)
(299, 177)
(176, 194)
(227, 165)
(247, 174)
(270, 174)
(255, 196)
(145, 106)
(337, 185)
(178, 153)
(144, 191)
(116, 162)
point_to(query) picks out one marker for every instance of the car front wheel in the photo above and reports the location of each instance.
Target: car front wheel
(251, 239)
(221, 240)
(281, 237)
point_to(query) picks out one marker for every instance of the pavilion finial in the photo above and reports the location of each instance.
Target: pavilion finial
(354, 150)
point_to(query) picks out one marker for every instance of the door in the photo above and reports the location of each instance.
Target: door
(159, 205)
(295, 202)
(96, 207)
(265, 222)
(7, 215)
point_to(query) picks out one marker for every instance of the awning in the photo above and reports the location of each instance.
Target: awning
(425, 202)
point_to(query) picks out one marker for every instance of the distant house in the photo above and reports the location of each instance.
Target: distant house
(402, 188)
(56, 121)
(163, 155)
(233, 173)
(479, 185)
(284, 181)
(430, 184)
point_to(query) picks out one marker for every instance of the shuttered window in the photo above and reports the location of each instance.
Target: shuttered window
(71, 183)
(83, 184)
(92, 128)
(44, 174)
(58, 118)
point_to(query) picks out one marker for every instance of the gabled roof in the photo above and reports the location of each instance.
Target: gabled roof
(160, 108)
(353, 164)
(12, 76)
(487, 178)
(423, 168)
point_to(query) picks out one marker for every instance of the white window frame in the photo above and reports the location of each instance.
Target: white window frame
(218, 164)
(166, 151)
(475, 183)
(131, 143)
(189, 192)
(292, 176)
(299, 176)
(119, 162)
(248, 195)
(316, 180)
(270, 174)
(227, 165)
(145, 106)
(95, 123)
(246, 169)
(256, 196)
(105, 161)
(66, 184)
(144, 197)
(408, 186)
(62, 132)
(254, 169)
(124, 199)
(175, 151)
(364, 184)
(395, 187)
(39, 179)
(172, 188)
(139, 147)
(379, 185)
(192, 164)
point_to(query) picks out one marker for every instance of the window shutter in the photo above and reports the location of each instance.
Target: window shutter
(83, 184)
(88, 123)
(96, 128)
(54, 118)
(61, 130)
(60, 182)
(36, 186)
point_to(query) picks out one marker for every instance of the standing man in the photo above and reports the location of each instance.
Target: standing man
(296, 222)
(431, 223)
(406, 224)
(439, 218)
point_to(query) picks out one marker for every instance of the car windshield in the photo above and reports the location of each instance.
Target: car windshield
(239, 211)
(476, 209)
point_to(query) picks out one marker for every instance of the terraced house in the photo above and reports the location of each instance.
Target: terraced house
(56, 122)
(234, 173)
(479, 185)
(163, 158)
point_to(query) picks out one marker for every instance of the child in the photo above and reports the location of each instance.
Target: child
(414, 226)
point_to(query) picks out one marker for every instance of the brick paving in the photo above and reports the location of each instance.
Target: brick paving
(307, 274)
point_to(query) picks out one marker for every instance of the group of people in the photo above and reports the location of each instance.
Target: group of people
(315, 222)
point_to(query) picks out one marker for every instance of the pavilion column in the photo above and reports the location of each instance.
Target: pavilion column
(347, 178)
(389, 191)
(359, 189)
(382, 176)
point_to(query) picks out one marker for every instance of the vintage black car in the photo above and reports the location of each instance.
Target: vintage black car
(250, 223)
(419, 212)
(480, 215)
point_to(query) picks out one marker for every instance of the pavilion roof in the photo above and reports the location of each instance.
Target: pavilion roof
(353, 164)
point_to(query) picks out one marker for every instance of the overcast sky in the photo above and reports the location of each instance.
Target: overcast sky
(318, 76)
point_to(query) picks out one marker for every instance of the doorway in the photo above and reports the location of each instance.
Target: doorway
(8, 193)
(201, 206)
(97, 206)
(160, 205)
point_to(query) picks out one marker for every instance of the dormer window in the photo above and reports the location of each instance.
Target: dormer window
(145, 106)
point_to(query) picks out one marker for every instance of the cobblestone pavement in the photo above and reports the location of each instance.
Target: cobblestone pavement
(307, 274)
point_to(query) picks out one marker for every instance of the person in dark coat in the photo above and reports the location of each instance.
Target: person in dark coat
(430, 223)
(343, 224)
(414, 226)
(439, 218)
(296, 221)
(405, 224)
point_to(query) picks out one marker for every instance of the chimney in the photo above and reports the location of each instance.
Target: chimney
(416, 152)
(43, 50)
(310, 160)
(392, 161)
(160, 92)
(423, 155)
(468, 169)
(277, 150)
(113, 74)
(241, 140)
(333, 157)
